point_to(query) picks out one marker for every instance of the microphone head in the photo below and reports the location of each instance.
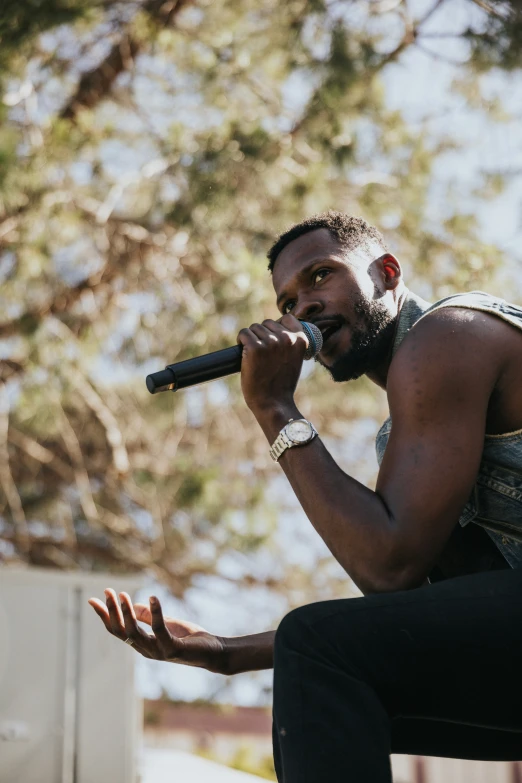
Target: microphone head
(315, 339)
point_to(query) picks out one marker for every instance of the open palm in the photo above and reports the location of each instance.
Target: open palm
(178, 641)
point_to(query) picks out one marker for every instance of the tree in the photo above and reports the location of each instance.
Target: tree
(150, 152)
(498, 41)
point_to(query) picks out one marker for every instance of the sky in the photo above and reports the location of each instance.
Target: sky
(419, 85)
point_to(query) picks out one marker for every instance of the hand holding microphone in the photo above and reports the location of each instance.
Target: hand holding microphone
(273, 354)
(269, 339)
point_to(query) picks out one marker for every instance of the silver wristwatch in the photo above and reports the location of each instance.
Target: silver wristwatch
(296, 433)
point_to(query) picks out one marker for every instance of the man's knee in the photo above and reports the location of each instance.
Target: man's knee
(293, 630)
(310, 628)
(337, 630)
(323, 636)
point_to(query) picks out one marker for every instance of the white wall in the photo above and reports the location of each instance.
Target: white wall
(68, 709)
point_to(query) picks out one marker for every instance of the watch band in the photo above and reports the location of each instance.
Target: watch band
(284, 442)
(281, 444)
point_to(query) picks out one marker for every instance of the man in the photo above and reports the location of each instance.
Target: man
(429, 661)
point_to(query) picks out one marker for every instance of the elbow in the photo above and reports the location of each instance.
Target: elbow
(398, 564)
(394, 564)
(391, 580)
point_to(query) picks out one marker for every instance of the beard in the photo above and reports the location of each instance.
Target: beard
(372, 339)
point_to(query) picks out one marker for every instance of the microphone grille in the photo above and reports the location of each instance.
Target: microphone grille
(315, 339)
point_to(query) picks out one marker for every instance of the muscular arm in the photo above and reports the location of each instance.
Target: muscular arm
(439, 386)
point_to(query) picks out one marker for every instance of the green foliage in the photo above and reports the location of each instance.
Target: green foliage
(497, 43)
(147, 161)
(21, 23)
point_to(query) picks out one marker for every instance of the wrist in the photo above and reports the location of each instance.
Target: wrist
(223, 666)
(248, 653)
(272, 418)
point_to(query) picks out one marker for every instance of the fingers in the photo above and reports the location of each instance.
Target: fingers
(261, 335)
(166, 642)
(122, 622)
(143, 613)
(289, 321)
(142, 641)
(264, 333)
(101, 611)
(254, 336)
(115, 614)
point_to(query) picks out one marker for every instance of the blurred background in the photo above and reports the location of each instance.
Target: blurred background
(150, 152)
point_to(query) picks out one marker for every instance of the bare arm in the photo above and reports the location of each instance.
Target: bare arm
(438, 388)
(249, 653)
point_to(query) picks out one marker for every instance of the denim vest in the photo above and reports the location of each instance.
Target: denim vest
(495, 503)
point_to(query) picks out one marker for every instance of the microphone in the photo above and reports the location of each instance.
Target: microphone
(217, 365)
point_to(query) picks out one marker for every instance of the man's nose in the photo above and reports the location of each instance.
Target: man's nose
(306, 308)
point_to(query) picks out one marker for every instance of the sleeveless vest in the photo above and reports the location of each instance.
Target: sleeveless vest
(493, 513)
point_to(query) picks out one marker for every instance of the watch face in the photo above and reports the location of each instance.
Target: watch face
(299, 431)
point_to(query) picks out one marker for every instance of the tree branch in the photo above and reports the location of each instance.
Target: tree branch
(96, 84)
(104, 415)
(488, 8)
(40, 453)
(435, 7)
(65, 298)
(81, 476)
(6, 478)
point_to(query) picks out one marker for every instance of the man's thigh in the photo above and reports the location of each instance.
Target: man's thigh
(421, 737)
(451, 651)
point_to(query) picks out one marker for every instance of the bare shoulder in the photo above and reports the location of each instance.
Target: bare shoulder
(451, 347)
(439, 388)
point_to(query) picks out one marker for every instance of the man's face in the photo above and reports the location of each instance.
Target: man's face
(316, 280)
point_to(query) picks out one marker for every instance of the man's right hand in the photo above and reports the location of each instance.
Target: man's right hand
(172, 640)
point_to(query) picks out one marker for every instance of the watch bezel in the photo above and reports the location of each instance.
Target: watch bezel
(299, 421)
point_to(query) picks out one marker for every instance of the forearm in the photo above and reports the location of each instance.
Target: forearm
(249, 653)
(351, 519)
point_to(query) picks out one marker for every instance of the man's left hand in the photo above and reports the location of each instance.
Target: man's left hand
(272, 359)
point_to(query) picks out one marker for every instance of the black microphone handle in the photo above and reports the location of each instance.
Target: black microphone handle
(216, 365)
(201, 369)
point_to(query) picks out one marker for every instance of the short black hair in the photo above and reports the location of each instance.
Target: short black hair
(351, 232)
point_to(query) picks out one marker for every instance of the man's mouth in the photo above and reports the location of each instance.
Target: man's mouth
(328, 328)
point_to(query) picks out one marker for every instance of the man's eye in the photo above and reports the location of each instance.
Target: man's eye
(320, 274)
(287, 307)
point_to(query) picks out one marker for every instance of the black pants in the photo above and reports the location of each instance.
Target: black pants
(435, 671)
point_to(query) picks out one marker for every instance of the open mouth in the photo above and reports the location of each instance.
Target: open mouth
(328, 329)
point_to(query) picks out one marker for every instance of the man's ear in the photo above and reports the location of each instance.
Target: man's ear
(390, 271)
